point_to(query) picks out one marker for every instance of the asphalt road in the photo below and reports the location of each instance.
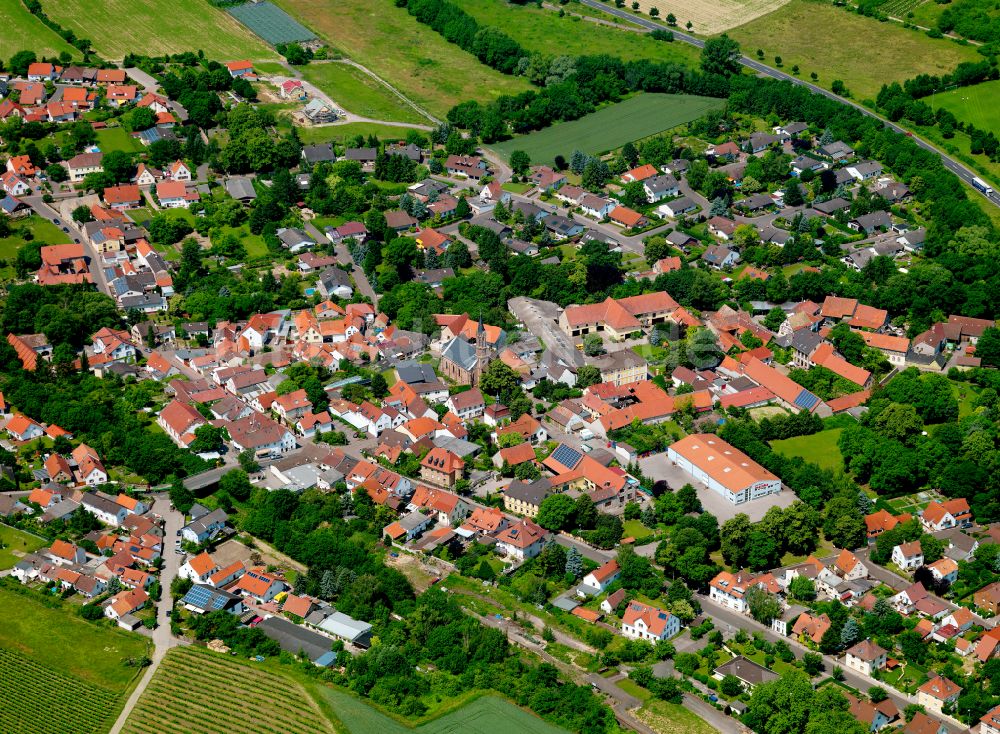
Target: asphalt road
(950, 163)
(163, 639)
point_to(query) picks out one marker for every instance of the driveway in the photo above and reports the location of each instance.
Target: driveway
(163, 639)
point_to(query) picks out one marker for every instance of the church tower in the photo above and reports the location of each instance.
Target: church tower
(482, 351)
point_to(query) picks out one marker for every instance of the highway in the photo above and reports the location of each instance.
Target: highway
(950, 163)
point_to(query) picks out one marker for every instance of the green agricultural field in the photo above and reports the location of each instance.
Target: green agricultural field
(15, 544)
(611, 127)
(432, 72)
(39, 699)
(544, 31)
(485, 715)
(24, 32)
(819, 448)
(822, 38)
(199, 691)
(59, 639)
(359, 93)
(117, 27)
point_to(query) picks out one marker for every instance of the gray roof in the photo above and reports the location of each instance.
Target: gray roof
(334, 278)
(318, 153)
(656, 184)
(360, 154)
(532, 493)
(806, 341)
(240, 187)
(747, 671)
(345, 627)
(411, 372)
(461, 353)
(146, 300)
(831, 206)
(294, 638)
(874, 220)
(682, 204)
(290, 237)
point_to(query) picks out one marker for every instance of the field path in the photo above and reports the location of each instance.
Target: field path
(163, 639)
(315, 91)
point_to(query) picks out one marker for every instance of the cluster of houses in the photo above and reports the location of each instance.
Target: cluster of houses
(125, 557)
(75, 91)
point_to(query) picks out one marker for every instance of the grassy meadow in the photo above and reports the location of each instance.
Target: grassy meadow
(611, 127)
(116, 27)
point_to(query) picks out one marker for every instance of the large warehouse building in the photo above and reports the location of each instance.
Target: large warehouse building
(723, 468)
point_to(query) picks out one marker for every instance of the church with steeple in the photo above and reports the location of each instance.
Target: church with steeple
(468, 347)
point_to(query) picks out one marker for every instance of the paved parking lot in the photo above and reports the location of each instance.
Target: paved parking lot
(658, 467)
(539, 318)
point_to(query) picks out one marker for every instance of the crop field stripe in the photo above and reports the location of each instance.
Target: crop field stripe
(269, 701)
(271, 23)
(611, 127)
(35, 699)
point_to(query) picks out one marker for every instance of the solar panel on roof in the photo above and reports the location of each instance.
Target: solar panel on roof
(567, 456)
(806, 400)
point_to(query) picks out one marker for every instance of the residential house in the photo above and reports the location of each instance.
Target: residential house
(126, 602)
(525, 498)
(441, 467)
(938, 516)
(938, 693)
(908, 556)
(597, 581)
(643, 622)
(259, 585)
(521, 540)
(866, 657)
(747, 672)
(204, 525)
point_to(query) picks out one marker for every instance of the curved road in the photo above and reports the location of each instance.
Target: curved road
(950, 163)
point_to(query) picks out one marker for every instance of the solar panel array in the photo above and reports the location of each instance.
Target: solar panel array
(567, 456)
(806, 400)
(204, 597)
(271, 23)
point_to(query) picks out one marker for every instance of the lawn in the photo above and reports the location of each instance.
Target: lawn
(485, 715)
(635, 529)
(819, 448)
(359, 93)
(966, 396)
(340, 133)
(634, 689)
(59, 639)
(673, 718)
(434, 73)
(43, 231)
(117, 138)
(544, 31)
(15, 544)
(611, 127)
(117, 27)
(913, 503)
(835, 44)
(194, 690)
(25, 32)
